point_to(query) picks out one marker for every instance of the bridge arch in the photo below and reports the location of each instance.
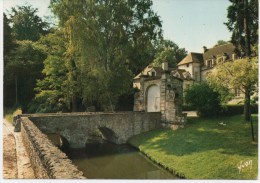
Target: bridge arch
(108, 134)
(102, 133)
(58, 140)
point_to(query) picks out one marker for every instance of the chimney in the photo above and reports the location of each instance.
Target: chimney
(205, 49)
(165, 66)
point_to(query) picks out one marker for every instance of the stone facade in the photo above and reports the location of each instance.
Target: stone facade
(170, 95)
(199, 65)
(47, 160)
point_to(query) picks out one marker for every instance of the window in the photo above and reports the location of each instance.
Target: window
(210, 63)
(152, 73)
(188, 65)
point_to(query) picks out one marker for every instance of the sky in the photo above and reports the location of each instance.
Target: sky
(191, 24)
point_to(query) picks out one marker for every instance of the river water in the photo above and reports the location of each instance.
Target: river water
(110, 161)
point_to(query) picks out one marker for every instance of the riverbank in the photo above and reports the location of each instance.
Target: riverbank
(9, 153)
(218, 148)
(16, 162)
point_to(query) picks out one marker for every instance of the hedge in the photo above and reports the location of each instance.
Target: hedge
(230, 110)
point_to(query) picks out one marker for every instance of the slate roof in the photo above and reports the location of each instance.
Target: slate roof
(158, 71)
(226, 49)
(181, 72)
(192, 58)
(217, 51)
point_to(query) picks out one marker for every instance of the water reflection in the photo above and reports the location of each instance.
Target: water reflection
(110, 161)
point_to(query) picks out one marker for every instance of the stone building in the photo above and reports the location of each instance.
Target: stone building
(199, 65)
(161, 91)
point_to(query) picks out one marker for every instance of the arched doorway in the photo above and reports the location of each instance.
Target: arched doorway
(153, 99)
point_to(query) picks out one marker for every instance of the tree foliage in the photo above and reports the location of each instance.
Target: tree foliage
(243, 23)
(107, 42)
(205, 99)
(221, 42)
(241, 74)
(170, 52)
(50, 90)
(26, 24)
(8, 38)
(22, 68)
(23, 58)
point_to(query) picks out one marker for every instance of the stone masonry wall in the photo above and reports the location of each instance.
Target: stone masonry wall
(75, 128)
(47, 160)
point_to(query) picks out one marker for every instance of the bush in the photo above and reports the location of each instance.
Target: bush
(231, 110)
(204, 99)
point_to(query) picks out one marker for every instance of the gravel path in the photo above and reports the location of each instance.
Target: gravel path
(16, 163)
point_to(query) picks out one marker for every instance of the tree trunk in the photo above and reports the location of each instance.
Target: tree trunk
(74, 107)
(247, 105)
(246, 29)
(252, 127)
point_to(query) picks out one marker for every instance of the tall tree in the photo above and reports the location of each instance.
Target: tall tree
(104, 38)
(8, 38)
(20, 73)
(23, 59)
(170, 52)
(26, 24)
(241, 74)
(243, 23)
(51, 95)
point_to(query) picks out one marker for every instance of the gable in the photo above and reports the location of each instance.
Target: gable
(192, 58)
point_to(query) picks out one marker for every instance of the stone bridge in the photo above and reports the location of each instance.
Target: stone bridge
(77, 128)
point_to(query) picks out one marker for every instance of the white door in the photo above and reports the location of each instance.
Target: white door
(153, 99)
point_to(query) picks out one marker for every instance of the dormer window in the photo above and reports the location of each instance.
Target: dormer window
(210, 63)
(225, 57)
(153, 73)
(187, 75)
(175, 74)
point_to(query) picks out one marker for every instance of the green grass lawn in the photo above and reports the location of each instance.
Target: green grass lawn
(203, 149)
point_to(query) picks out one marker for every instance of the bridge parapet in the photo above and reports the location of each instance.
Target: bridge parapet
(46, 159)
(115, 127)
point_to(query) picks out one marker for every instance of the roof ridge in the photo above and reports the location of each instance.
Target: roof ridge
(195, 53)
